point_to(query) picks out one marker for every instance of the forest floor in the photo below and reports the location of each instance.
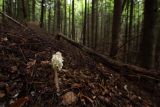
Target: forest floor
(26, 75)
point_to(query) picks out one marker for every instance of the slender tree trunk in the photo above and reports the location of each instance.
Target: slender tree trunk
(55, 17)
(126, 32)
(157, 48)
(93, 23)
(69, 30)
(147, 38)
(73, 24)
(138, 32)
(49, 19)
(19, 9)
(3, 9)
(58, 15)
(33, 10)
(42, 14)
(88, 25)
(102, 22)
(96, 24)
(65, 17)
(15, 9)
(116, 27)
(9, 7)
(106, 29)
(24, 9)
(130, 32)
(28, 9)
(84, 23)
(157, 52)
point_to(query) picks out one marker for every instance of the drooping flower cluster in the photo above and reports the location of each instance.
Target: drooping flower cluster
(57, 61)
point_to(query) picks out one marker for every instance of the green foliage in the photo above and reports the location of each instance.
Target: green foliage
(1, 2)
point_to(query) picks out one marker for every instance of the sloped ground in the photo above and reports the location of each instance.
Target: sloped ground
(26, 76)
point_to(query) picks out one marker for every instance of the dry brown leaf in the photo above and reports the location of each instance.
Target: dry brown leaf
(104, 99)
(76, 85)
(13, 44)
(7, 88)
(69, 98)
(86, 97)
(45, 62)
(14, 69)
(20, 102)
(31, 63)
(2, 94)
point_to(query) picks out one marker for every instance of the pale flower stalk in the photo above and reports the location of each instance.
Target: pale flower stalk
(57, 64)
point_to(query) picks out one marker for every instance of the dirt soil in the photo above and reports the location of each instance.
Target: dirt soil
(26, 75)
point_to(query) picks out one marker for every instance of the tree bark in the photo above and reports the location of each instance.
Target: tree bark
(49, 19)
(58, 15)
(69, 29)
(84, 23)
(24, 9)
(73, 24)
(96, 24)
(126, 33)
(42, 14)
(33, 10)
(116, 27)
(93, 24)
(130, 31)
(65, 17)
(145, 57)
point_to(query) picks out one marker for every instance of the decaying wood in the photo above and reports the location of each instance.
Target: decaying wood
(113, 64)
(9, 17)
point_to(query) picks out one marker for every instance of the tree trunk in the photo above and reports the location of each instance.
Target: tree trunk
(93, 24)
(130, 32)
(69, 29)
(116, 27)
(73, 24)
(126, 33)
(49, 19)
(3, 9)
(65, 17)
(157, 32)
(42, 14)
(84, 23)
(9, 7)
(33, 10)
(88, 25)
(24, 9)
(58, 15)
(28, 10)
(96, 24)
(147, 38)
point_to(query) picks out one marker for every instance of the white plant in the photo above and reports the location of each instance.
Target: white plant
(5, 39)
(57, 64)
(57, 61)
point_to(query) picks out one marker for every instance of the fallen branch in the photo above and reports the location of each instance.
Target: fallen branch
(9, 17)
(113, 64)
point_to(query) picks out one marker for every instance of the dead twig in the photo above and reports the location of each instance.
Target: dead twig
(22, 53)
(86, 97)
